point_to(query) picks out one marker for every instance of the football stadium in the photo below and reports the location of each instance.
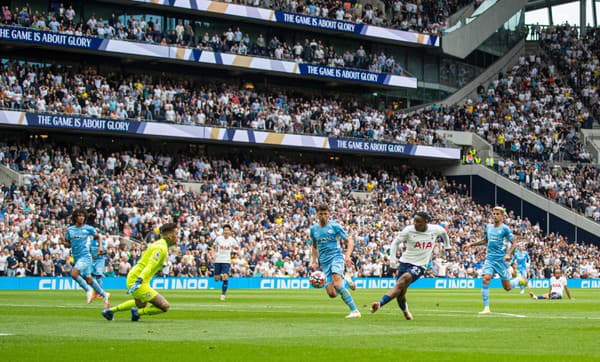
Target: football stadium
(299, 180)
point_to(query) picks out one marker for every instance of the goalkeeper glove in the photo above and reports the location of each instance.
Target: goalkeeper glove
(135, 286)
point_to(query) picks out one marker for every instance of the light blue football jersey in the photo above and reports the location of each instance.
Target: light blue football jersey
(80, 240)
(94, 247)
(498, 239)
(327, 239)
(522, 258)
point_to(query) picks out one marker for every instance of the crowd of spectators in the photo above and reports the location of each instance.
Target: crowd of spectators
(529, 114)
(573, 185)
(423, 16)
(282, 45)
(577, 58)
(270, 206)
(143, 97)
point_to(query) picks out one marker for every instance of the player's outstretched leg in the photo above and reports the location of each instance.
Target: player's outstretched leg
(109, 313)
(157, 305)
(398, 291)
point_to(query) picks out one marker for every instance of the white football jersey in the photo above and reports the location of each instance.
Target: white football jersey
(558, 285)
(419, 245)
(223, 248)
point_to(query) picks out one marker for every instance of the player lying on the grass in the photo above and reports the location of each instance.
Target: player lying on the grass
(78, 237)
(138, 279)
(420, 239)
(326, 235)
(498, 237)
(558, 283)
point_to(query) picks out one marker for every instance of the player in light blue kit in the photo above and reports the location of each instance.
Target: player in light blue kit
(326, 237)
(78, 237)
(498, 238)
(97, 252)
(521, 257)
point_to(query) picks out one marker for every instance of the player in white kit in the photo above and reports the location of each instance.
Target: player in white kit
(420, 239)
(223, 246)
(558, 283)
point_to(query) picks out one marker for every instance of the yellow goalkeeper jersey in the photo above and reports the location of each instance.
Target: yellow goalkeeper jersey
(151, 262)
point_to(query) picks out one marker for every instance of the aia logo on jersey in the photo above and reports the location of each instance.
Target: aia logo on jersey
(423, 245)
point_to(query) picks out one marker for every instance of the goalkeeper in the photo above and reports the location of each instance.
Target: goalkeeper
(138, 279)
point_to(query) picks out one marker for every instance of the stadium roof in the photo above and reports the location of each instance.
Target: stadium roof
(540, 4)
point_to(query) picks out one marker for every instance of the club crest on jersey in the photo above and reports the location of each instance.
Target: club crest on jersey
(330, 231)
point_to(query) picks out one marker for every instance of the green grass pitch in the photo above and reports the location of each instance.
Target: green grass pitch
(302, 325)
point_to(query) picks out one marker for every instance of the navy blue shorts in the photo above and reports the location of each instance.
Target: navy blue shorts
(222, 268)
(555, 296)
(414, 270)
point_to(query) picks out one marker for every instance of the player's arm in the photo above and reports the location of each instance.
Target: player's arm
(101, 250)
(67, 239)
(509, 255)
(349, 249)
(401, 238)
(158, 255)
(483, 241)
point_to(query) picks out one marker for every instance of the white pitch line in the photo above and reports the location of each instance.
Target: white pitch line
(6, 334)
(467, 312)
(510, 315)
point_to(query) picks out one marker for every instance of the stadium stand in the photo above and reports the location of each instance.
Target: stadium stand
(269, 204)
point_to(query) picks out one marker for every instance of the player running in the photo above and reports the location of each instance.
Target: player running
(521, 257)
(420, 239)
(97, 249)
(138, 279)
(498, 237)
(327, 252)
(78, 237)
(224, 245)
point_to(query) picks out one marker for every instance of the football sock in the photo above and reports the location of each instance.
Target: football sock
(224, 287)
(346, 297)
(82, 283)
(127, 305)
(98, 280)
(402, 304)
(384, 300)
(485, 294)
(150, 310)
(348, 279)
(98, 288)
